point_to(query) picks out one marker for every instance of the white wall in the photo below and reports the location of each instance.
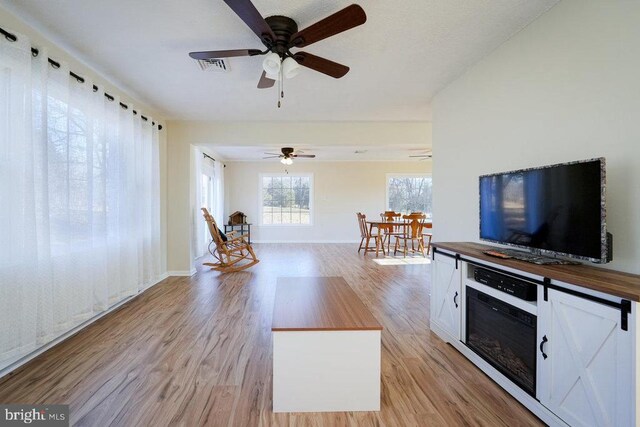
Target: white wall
(566, 88)
(282, 134)
(340, 189)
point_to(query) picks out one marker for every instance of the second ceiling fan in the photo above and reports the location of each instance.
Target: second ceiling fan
(287, 156)
(279, 34)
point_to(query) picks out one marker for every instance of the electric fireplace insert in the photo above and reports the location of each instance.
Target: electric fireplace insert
(504, 336)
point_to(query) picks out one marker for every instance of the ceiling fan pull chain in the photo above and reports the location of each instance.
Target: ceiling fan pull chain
(281, 84)
(280, 87)
(278, 93)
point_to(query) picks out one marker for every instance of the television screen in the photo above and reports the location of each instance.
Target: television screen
(557, 208)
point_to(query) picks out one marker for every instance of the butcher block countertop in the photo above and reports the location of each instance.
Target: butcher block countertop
(319, 304)
(623, 285)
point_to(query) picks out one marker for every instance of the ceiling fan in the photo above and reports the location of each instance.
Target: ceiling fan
(287, 156)
(426, 156)
(279, 34)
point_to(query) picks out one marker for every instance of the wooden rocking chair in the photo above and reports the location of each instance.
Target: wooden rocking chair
(231, 253)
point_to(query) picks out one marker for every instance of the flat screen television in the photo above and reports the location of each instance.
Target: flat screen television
(554, 210)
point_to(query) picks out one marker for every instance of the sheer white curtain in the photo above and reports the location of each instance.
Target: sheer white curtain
(208, 179)
(79, 201)
(218, 192)
(197, 222)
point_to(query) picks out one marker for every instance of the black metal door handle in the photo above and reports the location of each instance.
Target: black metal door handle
(454, 299)
(544, 340)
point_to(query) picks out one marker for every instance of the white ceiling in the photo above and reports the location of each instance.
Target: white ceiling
(394, 152)
(402, 55)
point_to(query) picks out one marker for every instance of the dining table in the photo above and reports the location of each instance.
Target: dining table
(383, 225)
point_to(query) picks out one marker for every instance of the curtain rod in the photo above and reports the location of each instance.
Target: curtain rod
(206, 155)
(79, 79)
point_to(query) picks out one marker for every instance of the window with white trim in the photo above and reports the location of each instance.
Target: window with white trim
(408, 193)
(286, 199)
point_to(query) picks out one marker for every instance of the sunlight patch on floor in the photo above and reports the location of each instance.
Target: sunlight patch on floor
(402, 261)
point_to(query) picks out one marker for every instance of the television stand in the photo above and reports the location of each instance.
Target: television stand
(529, 257)
(586, 326)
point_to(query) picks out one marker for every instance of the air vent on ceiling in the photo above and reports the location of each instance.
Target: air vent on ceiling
(218, 65)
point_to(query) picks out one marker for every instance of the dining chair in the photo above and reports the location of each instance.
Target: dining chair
(390, 216)
(367, 235)
(425, 235)
(428, 235)
(415, 224)
(391, 230)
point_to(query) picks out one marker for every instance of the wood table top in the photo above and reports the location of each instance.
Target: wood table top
(319, 304)
(427, 224)
(624, 285)
(381, 222)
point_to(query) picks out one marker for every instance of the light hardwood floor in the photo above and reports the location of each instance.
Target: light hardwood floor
(197, 351)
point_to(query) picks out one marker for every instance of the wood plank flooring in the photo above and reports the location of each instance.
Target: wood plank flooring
(197, 351)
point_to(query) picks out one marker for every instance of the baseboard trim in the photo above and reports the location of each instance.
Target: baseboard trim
(158, 280)
(182, 273)
(29, 357)
(305, 241)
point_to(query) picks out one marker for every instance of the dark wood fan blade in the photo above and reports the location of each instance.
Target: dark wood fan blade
(309, 156)
(265, 82)
(250, 15)
(322, 65)
(347, 18)
(273, 154)
(211, 54)
(271, 157)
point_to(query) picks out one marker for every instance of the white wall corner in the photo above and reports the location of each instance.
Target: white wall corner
(181, 273)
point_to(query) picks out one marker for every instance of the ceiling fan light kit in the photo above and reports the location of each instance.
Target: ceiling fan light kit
(279, 34)
(271, 64)
(290, 68)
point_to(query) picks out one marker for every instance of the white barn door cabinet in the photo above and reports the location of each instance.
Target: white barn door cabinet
(586, 375)
(446, 296)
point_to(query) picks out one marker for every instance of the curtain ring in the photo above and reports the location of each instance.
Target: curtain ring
(78, 78)
(11, 37)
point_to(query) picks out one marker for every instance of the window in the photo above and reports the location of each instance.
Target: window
(285, 199)
(409, 193)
